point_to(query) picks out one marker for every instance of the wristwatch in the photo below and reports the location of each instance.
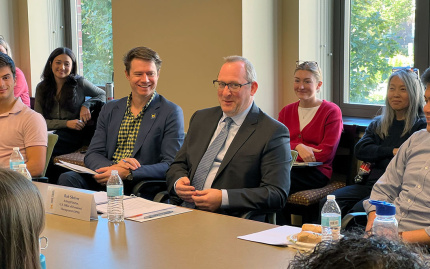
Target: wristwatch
(129, 176)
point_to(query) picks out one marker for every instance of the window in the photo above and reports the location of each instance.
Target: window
(91, 32)
(371, 37)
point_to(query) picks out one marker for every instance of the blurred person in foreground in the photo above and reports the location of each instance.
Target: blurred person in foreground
(358, 252)
(22, 220)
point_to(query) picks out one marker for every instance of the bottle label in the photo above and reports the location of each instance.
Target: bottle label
(115, 190)
(15, 165)
(333, 221)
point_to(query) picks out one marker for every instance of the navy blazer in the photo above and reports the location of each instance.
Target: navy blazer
(255, 170)
(160, 136)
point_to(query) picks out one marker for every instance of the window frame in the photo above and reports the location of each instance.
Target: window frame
(421, 55)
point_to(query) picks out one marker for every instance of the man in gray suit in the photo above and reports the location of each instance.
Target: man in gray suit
(251, 169)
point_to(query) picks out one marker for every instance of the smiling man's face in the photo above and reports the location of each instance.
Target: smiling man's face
(143, 77)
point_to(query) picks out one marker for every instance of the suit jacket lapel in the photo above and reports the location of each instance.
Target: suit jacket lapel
(117, 115)
(245, 131)
(148, 120)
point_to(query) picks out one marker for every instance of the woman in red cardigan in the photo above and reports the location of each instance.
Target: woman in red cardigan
(315, 127)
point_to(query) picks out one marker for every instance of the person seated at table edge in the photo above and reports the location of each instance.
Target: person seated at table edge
(20, 126)
(137, 135)
(405, 183)
(22, 221)
(235, 158)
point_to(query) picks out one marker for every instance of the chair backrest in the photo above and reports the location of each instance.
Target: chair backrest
(294, 154)
(52, 140)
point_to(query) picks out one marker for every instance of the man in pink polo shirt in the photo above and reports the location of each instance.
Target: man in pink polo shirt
(19, 125)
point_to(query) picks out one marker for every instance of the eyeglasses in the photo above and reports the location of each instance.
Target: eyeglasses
(234, 87)
(304, 63)
(406, 68)
(43, 238)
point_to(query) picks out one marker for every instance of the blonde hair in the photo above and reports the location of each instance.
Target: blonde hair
(310, 66)
(5, 46)
(22, 220)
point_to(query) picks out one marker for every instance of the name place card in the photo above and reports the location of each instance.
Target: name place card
(72, 204)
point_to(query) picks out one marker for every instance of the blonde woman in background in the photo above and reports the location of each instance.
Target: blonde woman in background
(315, 127)
(22, 220)
(21, 87)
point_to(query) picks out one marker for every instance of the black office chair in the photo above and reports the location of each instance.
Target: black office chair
(151, 189)
(354, 221)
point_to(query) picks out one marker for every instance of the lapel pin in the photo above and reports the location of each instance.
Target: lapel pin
(153, 116)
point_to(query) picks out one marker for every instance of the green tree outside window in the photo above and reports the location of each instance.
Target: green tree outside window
(381, 32)
(97, 40)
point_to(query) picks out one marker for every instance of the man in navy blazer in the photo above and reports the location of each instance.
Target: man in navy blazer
(252, 169)
(137, 135)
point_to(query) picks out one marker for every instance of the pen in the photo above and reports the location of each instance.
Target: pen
(153, 215)
(158, 214)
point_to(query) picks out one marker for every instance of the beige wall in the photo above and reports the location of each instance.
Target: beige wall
(290, 50)
(191, 37)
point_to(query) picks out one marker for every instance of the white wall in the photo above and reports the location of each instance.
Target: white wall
(260, 46)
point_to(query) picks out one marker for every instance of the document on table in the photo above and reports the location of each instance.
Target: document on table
(139, 209)
(276, 236)
(76, 168)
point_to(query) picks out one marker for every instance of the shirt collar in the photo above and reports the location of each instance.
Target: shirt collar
(130, 97)
(239, 118)
(17, 107)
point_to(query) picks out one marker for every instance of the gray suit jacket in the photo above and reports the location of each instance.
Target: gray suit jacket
(256, 168)
(160, 136)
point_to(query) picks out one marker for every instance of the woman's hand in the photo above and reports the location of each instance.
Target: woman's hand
(307, 153)
(85, 114)
(75, 124)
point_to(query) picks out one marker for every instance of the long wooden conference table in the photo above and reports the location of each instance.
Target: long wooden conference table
(196, 239)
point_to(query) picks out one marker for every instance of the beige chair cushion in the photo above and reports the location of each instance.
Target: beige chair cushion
(309, 197)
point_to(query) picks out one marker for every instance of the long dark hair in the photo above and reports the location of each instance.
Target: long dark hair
(49, 86)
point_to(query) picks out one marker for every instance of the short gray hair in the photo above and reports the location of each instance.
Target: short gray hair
(251, 75)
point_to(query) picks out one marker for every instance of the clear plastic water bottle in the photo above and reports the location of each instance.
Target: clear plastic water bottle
(24, 171)
(115, 191)
(330, 219)
(15, 159)
(385, 223)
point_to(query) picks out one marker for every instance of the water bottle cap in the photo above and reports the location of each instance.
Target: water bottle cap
(384, 208)
(331, 197)
(15, 148)
(22, 165)
(114, 172)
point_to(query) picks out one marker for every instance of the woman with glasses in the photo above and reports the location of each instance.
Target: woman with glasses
(21, 87)
(22, 220)
(62, 99)
(315, 127)
(401, 117)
